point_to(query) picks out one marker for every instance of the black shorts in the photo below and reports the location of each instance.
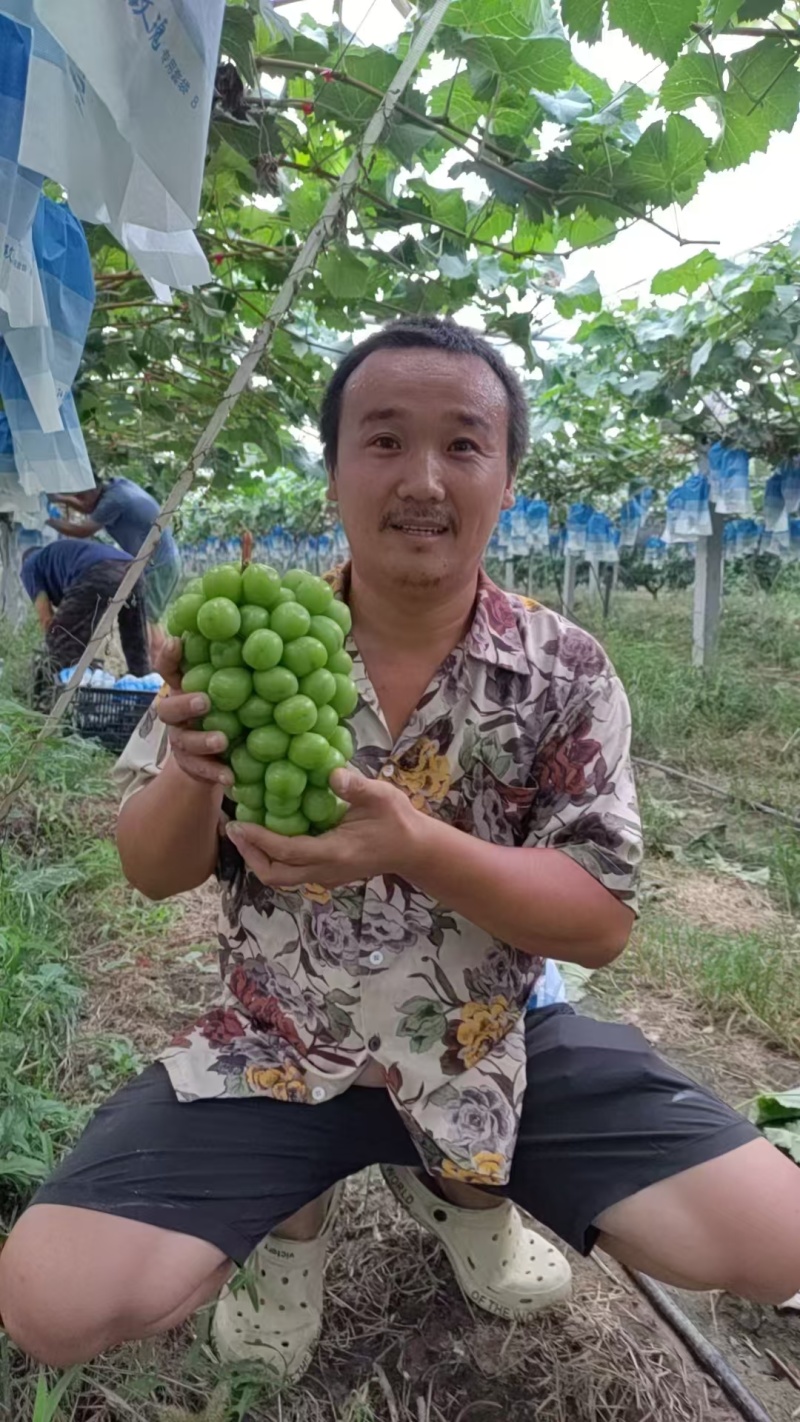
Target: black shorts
(603, 1117)
(80, 610)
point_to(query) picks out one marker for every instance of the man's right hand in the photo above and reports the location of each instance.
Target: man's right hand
(195, 752)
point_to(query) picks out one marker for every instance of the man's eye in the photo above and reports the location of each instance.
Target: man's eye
(462, 446)
(385, 441)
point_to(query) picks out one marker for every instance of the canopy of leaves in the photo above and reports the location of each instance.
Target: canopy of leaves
(555, 161)
(645, 386)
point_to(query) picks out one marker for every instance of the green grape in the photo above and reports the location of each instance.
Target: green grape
(197, 678)
(196, 648)
(296, 714)
(319, 686)
(329, 633)
(304, 655)
(326, 722)
(230, 688)
(340, 613)
(250, 795)
(226, 654)
(218, 619)
(247, 769)
(253, 619)
(308, 750)
(267, 743)
(255, 712)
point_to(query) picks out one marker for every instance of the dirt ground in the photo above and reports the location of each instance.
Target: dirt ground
(400, 1343)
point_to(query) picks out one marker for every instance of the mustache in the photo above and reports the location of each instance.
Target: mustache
(411, 514)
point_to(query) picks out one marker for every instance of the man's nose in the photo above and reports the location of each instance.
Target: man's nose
(423, 477)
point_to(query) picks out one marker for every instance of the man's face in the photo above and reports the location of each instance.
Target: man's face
(422, 466)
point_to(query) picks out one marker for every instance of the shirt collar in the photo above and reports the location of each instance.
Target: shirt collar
(493, 635)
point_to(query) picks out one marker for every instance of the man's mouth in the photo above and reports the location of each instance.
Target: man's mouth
(413, 529)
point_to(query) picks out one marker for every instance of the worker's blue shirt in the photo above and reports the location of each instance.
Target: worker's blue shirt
(126, 512)
(56, 567)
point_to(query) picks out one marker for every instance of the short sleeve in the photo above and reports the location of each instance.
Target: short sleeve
(585, 803)
(29, 577)
(144, 755)
(108, 507)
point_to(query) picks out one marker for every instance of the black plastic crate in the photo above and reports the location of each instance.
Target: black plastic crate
(107, 715)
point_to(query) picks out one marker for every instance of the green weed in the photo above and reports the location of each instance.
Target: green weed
(784, 867)
(732, 724)
(753, 975)
(660, 821)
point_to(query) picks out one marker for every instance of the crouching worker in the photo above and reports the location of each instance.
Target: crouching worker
(376, 978)
(71, 585)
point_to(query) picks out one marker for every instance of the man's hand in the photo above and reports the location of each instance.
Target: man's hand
(377, 836)
(195, 752)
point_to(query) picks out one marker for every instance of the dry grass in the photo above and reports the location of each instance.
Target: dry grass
(713, 901)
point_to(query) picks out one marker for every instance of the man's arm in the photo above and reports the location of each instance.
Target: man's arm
(87, 528)
(167, 833)
(68, 500)
(538, 900)
(44, 610)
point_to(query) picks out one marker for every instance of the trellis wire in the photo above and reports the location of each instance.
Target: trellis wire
(304, 262)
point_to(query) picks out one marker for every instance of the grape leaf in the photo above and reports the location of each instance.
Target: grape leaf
(505, 19)
(688, 276)
(583, 18)
(692, 77)
(667, 163)
(534, 64)
(660, 27)
(583, 296)
(722, 11)
(344, 274)
(763, 95)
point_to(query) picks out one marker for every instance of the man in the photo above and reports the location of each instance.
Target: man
(126, 512)
(70, 585)
(376, 977)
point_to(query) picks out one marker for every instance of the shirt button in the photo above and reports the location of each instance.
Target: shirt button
(387, 770)
(374, 1043)
(319, 1093)
(376, 958)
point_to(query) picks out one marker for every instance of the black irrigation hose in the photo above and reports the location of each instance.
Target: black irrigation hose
(718, 790)
(705, 1352)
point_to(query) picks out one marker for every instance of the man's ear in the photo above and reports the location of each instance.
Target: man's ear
(331, 494)
(509, 495)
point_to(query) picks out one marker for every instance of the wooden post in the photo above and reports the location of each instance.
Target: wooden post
(12, 598)
(594, 579)
(610, 581)
(530, 574)
(707, 593)
(568, 595)
(508, 575)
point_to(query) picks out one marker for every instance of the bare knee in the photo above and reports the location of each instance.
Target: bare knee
(732, 1223)
(74, 1283)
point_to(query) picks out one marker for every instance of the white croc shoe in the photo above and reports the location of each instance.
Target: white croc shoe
(279, 1326)
(501, 1263)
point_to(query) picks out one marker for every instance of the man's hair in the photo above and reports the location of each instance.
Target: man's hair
(429, 333)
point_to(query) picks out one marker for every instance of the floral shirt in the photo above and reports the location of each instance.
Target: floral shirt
(522, 739)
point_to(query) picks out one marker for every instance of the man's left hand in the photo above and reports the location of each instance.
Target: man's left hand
(377, 836)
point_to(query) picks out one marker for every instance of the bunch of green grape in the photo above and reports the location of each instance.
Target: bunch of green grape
(269, 653)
